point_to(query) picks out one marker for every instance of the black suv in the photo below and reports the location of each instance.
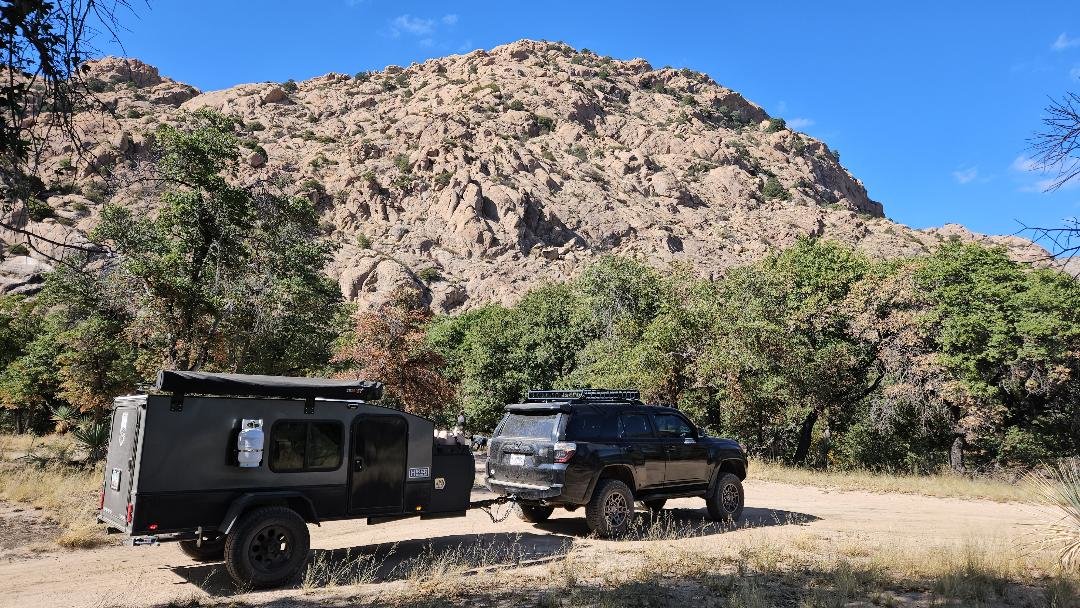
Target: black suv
(605, 449)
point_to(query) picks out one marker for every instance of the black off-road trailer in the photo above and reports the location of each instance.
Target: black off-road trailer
(185, 465)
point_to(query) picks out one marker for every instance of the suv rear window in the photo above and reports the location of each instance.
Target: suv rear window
(634, 426)
(591, 426)
(533, 426)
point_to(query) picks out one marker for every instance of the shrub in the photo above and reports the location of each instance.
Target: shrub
(134, 113)
(429, 274)
(290, 86)
(18, 249)
(546, 123)
(517, 105)
(689, 100)
(579, 151)
(775, 190)
(776, 124)
(39, 210)
(369, 177)
(255, 126)
(603, 74)
(401, 161)
(312, 184)
(443, 179)
(97, 85)
(95, 191)
(363, 242)
(362, 76)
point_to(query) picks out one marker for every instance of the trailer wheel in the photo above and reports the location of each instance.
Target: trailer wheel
(534, 513)
(212, 549)
(725, 502)
(267, 548)
(610, 512)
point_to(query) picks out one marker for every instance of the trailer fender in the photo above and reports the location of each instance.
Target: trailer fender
(294, 500)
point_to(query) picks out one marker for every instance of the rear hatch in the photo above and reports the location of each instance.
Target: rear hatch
(116, 503)
(522, 449)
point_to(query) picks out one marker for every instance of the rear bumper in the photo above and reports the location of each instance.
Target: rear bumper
(525, 491)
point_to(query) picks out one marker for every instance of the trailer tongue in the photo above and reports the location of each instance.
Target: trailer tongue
(185, 465)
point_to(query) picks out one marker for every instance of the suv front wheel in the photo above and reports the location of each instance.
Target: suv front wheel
(725, 501)
(610, 512)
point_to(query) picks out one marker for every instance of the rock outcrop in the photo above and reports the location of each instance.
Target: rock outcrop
(471, 178)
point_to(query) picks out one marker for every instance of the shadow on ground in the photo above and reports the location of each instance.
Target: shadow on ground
(401, 560)
(680, 523)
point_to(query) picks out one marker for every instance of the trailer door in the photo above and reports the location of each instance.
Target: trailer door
(377, 464)
(120, 465)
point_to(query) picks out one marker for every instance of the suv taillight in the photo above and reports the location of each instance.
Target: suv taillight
(564, 451)
(130, 512)
(101, 498)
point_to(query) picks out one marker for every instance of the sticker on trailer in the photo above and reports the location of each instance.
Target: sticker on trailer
(419, 472)
(114, 480)
(440, 483)
(123, 429)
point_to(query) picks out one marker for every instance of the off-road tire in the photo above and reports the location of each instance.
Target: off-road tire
(534, 513)
(655, 505)
(254, 554)
(725, 501)
(212, 549)
(610, 512)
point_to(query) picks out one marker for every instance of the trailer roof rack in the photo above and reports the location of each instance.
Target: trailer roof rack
(204, 383)
(583, 394)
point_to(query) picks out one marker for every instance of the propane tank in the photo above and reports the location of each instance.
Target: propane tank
(249, 444)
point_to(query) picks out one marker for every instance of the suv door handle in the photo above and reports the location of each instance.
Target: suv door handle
(358, 464)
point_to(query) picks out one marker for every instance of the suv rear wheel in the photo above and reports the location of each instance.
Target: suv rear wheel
(610, 512)
(534, 513)
(725, 502)
(267, 548)
(212, 548)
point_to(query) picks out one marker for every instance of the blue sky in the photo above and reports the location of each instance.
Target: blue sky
(930, 104)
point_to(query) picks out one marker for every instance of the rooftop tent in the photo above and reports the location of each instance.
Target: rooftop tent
(204, 383)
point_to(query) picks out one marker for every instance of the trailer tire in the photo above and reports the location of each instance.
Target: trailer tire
(212, 549)
(725, 501)
(534, 513)
(610, 512)
(267, 548)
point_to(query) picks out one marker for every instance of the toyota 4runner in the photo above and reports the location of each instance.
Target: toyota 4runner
(606, 450)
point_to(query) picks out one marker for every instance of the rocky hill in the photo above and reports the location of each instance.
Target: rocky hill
(473, 177)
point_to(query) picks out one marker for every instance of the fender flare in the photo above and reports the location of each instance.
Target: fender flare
(615, 465)
(294, 500)
(720, 469)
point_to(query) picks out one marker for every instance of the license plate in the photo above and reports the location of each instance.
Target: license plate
(516, 460)
(114, 480)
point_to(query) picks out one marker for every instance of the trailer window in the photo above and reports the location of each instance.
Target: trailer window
(302, 445)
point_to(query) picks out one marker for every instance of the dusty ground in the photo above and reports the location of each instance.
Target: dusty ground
(118, 575)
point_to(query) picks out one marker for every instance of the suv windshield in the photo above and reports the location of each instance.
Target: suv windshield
(528, 425)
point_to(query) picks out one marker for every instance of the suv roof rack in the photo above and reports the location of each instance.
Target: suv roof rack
(583, 394)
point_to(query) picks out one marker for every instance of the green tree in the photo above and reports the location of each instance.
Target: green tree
(224, 277)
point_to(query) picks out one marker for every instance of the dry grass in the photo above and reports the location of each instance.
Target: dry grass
(68, 495)
(945, 485)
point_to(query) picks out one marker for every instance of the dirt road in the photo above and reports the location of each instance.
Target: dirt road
(131, 576)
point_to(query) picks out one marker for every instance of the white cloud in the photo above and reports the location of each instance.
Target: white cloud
(1063, 42)
(1075, 73)
(450, 19)
(966, 176)
(1024, 164)
(800, 123)
(411, 25)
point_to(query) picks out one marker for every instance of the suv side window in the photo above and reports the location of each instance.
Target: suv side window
(670, 425)
(634, 426)
(590, 426)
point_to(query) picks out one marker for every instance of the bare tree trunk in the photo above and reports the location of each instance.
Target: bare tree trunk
(956, 453)
(20, 428)
(806, 435)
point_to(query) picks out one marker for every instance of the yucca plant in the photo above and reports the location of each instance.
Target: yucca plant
(1058, 488)
(94, 438)
(64, 418)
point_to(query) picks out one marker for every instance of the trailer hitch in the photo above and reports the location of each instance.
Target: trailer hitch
(487, 506)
